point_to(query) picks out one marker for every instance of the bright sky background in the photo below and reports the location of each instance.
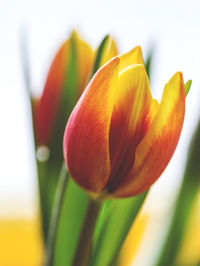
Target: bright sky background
(173, 26)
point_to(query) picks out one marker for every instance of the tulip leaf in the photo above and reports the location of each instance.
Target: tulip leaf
(114, 230)
(44, 199)
(99, 54)
(104, 212)
(187, 86)
(183, 206)
(71, 219)
(148, 63)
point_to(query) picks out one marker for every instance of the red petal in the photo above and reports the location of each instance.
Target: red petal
(86, 139)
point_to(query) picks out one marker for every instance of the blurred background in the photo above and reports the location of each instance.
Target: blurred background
(170, 28)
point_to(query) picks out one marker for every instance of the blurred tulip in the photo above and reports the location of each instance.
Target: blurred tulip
(73, 56)
(118, 139)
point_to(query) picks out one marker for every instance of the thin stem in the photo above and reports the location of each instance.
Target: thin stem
(53, 228)
(82, 254)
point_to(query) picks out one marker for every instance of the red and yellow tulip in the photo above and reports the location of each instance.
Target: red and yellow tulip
(118, 139)
(46, 109)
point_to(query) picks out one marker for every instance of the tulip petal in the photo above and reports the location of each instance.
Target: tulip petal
(89, 161)
(157, 147)
(131, 118)
(131, 58)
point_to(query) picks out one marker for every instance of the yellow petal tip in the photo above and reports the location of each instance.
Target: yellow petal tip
(134, 56)
(179, 74)
(137, 49)
(114, 60)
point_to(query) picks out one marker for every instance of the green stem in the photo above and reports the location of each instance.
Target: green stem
(60, 193)
(82, 254)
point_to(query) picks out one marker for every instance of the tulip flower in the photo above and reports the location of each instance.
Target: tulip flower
(74, 54)
(118, 139)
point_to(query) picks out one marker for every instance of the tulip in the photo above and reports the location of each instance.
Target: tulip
(46, 109)
(118, 139)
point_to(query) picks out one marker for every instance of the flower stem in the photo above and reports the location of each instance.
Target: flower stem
(53, 228)
(85, 241)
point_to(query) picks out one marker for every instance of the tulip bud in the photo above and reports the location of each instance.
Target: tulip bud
(65, 82)
(118, 139)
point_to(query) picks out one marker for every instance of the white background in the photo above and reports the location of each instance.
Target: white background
(172, 26)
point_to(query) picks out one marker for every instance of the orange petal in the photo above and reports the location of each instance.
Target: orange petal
(157, 147)
(86, 139)
(109, 52)
(130, 121)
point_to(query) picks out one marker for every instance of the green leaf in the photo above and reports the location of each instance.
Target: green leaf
(103, 215)
(183, 206)
(99, 54)
(72, 216)
(148, 63)
(114, 230)
(187, 86)
(43, 195)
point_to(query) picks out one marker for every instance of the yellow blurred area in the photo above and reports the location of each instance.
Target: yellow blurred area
(190, 249)
(20, 242)
(133, 240)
